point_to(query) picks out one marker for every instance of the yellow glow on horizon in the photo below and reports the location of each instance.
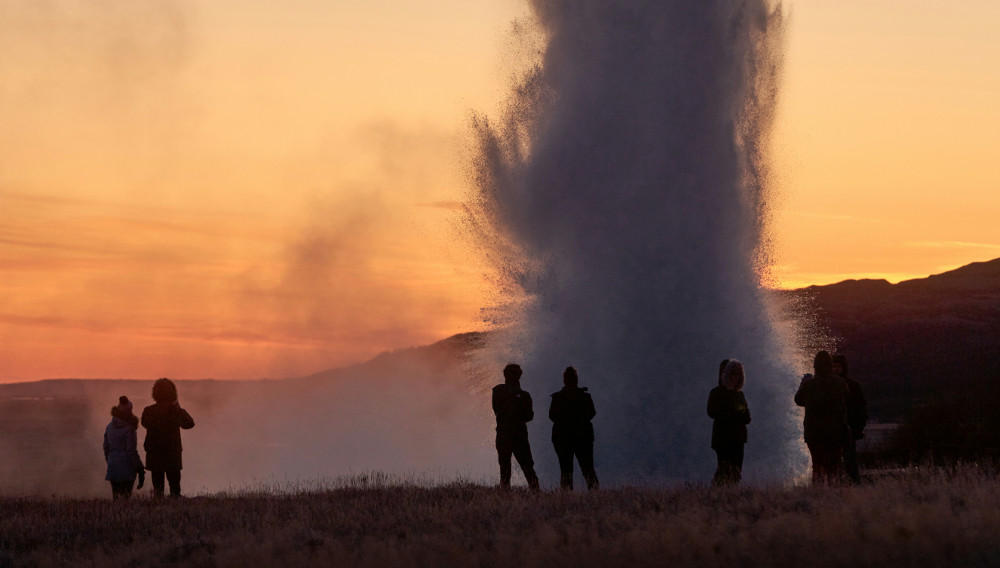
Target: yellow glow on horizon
(886, 139)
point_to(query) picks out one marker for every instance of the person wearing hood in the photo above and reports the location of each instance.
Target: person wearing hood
(120, 451)
(163, 422)
(571, 411)
(824, 397)
(727, 406)
(857, 418)
(513, 410)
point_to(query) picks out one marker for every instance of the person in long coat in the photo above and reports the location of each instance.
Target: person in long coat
(727, 406)
(513, 409)
(121, 452)
(571, 412)
(163, 422)
(824, 397)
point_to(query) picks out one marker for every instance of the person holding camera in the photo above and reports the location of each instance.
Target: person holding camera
(824, 396)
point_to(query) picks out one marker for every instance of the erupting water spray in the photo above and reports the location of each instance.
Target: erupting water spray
(624, 197)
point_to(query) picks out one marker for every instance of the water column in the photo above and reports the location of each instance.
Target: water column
(623, 196)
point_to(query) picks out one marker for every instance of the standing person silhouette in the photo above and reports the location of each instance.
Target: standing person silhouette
(857, 418)
(824, 397)
(120, 451)
(512, 407)
(163, 422)
(571, 411)
(728, 408)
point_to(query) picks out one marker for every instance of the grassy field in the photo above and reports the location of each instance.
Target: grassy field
(910, 518)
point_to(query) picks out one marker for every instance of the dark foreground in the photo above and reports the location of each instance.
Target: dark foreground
(916, 518)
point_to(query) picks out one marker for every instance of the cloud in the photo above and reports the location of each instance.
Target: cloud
(953, 245)
(837, 217)
(329, 255)
(112, 43)
(233, 335)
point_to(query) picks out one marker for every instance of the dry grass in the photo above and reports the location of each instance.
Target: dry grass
(915, 518)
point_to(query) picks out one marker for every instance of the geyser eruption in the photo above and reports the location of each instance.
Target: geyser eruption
(624, 196)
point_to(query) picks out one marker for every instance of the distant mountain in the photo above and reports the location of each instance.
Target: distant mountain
(921, 340)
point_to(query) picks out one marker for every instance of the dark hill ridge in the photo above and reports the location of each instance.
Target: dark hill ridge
(925, 339)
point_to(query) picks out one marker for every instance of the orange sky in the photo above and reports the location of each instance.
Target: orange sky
(886, 140)
(248, 189)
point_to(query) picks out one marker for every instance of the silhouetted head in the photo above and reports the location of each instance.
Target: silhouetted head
(570, 378)
(823, 363)
(722, 367)
(840, 366)
(124, 407)
(732, 376)
(164, 391)
(512, 374)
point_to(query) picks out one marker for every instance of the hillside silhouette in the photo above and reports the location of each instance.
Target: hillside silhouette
(919, 340)
(928, 354)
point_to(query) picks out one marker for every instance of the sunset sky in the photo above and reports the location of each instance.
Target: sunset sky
(246, 189)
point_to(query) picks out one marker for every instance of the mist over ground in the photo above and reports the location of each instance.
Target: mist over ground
(419, 414)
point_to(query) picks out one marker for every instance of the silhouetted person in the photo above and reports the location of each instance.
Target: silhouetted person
(121, 452)
(512, 407)
(163, 422)
(824, 397)
(571, 411)
(857, 417)
(727, 406)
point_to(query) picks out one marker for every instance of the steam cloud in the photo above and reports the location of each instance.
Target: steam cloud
(624, 195)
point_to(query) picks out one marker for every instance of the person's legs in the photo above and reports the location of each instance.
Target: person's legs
(157, 475)
(174, 479)
(738, 463)
(827, 462)
(815, 454)
(522, 453)
(720, 467)
(504, 450)
(585, 455)
(851, 461)
(564, 452)
(729, 463)
(835, 463)
(120, 489)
